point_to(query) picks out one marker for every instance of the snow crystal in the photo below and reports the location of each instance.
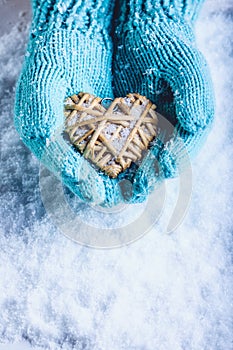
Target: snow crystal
(124, 133)
(128, 101)
(109, 130)
(118, 144)
(73, 120)
(87, 117)
(62, 8)
(80, 132)
(168, 292)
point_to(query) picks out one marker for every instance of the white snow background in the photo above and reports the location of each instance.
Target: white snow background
(163, 292)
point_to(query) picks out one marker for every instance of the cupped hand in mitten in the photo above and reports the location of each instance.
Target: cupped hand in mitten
(156, 55)
(69, 51)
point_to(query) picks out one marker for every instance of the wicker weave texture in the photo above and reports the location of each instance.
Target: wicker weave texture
(111, 135)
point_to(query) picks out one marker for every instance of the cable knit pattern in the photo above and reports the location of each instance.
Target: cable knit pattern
(72, 14)
(69, 51)
(156, 55)
(187, 9)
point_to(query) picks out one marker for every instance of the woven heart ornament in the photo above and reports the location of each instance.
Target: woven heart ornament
(112, 136)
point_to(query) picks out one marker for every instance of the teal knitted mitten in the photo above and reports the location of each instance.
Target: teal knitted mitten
(69, 51)
(156, 56)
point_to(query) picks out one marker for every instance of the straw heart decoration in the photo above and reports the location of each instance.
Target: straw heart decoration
(112, 136)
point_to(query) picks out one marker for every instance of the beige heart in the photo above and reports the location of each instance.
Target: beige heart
(113, 136)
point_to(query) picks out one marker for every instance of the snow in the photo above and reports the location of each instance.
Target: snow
(125, 133)
(166, 292)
